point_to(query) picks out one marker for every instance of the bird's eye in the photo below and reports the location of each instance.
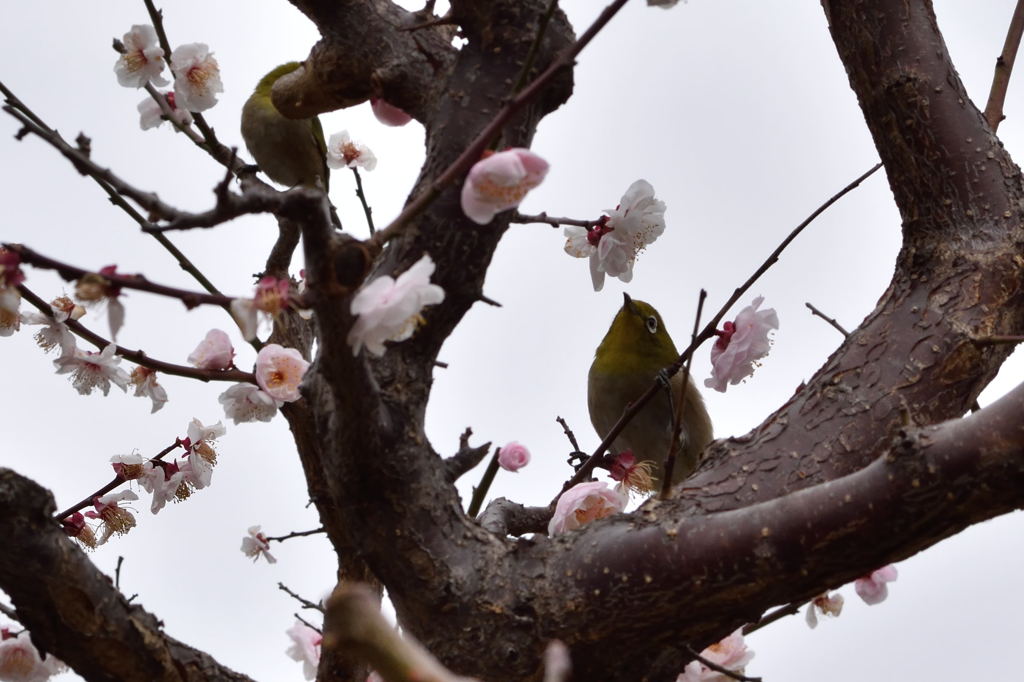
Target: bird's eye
(652, 324)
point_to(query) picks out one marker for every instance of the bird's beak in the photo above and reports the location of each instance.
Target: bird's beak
(627, 302)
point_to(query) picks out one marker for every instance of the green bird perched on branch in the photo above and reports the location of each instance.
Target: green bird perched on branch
(291, 151)
(636, 347)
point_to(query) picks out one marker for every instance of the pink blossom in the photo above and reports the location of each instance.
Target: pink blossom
(826, 604)
(305, 648)
(75, 526)
(632, 474)
(740, 345)
(731, 653)
(213, 352)
(143, 59)
(93, 370)
(513, 456)
(342, 152)
(872, 588)
(271, 295)
(255, 545)
(116, 520)
(165, 481)
(279, 372)
(614, 244)
(583, 503)
(388, 309)
(388, 114)
(247, 403)
(20, 660)
(146, 386)
(196, 77)
(128, 467)
(54, 333)
(500, 181)
(197, 467)
(152, 116)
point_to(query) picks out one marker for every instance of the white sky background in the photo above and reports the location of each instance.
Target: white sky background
(739, 114)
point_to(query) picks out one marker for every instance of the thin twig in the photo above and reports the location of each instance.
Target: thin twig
(483, 140)
(1004, 68)
(518, 217)
(708, 332)
(480, 491)
(104, 178)
(87, 501)
(719, 669)
(777, 614)
(138, 357)
(679, 410)
(117, 572)
(69, 272)
(297, 534)
(531, 55)
(213, 146)
(367, 211)
(306, 604)
(569, 434)
(831, 320)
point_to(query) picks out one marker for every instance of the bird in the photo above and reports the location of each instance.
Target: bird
(626, 363)
(291, 151)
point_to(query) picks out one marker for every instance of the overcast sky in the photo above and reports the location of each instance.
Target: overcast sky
(740, 115)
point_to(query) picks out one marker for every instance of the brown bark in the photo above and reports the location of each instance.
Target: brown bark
(831, 486)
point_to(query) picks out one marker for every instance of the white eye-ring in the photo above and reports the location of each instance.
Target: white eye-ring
(652, 324)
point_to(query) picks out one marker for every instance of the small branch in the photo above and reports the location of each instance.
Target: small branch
(679, 410)
(531, 56)
(105, 179)
(117, 572)
(354, 624)
(708, 332)
(488, 301)
(139, 357)
(777, 614)
(191, 299)
(504, 517)
(108, 487)
(306, 604)
(569, 434)
(1004, 68)
(719, 669)
(367, 211)
(484, 139)
(212, 145)
(466, 458)
(480, 491)
(298, 534)
(308, 624)
(518, 217)
(838, 327)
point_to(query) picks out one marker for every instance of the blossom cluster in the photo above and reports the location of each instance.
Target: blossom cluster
(195, 71)
(164, 480)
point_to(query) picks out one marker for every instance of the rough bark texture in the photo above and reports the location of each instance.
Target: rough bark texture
(793, 508)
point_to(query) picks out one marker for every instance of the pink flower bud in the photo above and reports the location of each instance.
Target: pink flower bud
(513, 456)
(389, 114)
(213, 352)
